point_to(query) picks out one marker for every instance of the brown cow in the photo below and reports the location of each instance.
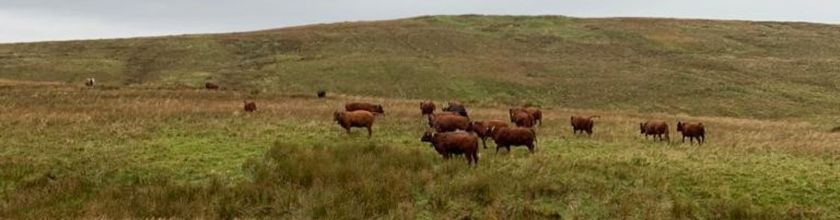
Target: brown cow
(535, 113)
(431, 117)
(211, 86)
(482, 128)
(506, 137)
(655, 128)
(583, 124)
(250, 106)
(523, 119)
(372, 108)
(360, 119)
(458, 142)
(692, 131)
(457, 107)
(427, 107)
(445, 123)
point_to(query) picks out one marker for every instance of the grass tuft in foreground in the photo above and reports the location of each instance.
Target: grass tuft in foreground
(360, 180)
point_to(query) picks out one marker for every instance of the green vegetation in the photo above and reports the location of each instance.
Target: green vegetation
(729, 68)
(150, 143)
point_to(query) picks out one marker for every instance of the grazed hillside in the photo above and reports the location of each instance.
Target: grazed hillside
(148, 144)
(730, 68)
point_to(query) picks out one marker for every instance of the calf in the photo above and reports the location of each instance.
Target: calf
(449, 143)
(583, 124)
(655, 128)
(692, 131)
(250, 106)
(427, 107)
(482, 128)
(506, 137)
(356, 106)
(360, 119)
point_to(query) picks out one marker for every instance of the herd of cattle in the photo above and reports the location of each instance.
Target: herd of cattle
(453, 132)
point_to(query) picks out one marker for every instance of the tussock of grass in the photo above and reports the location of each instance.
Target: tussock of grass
(368, 180)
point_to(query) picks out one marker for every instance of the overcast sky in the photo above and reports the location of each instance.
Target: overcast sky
(40, 20)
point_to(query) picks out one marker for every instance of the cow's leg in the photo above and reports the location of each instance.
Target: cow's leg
(475, 158)
(484, 142)
(530, 147)
(370, 131)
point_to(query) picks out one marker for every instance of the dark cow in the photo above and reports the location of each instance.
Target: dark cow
(692, 131)
(359, 119)
(448, 143)
(356, 106)
(536, 113)
(506, 137)
(211, 86)
(655, 128)
(427, 107)
(322, 93)
(457, 107)
(523, 119)
(445, 123)
(482, 128)
(250, 106)
(583, 124)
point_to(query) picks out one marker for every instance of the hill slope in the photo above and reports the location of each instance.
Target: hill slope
(730, 68)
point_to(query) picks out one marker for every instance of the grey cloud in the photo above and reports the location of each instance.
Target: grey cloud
(36, 20)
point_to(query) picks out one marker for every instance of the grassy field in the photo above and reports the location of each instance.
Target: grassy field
(70, 151)
(150, 143)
